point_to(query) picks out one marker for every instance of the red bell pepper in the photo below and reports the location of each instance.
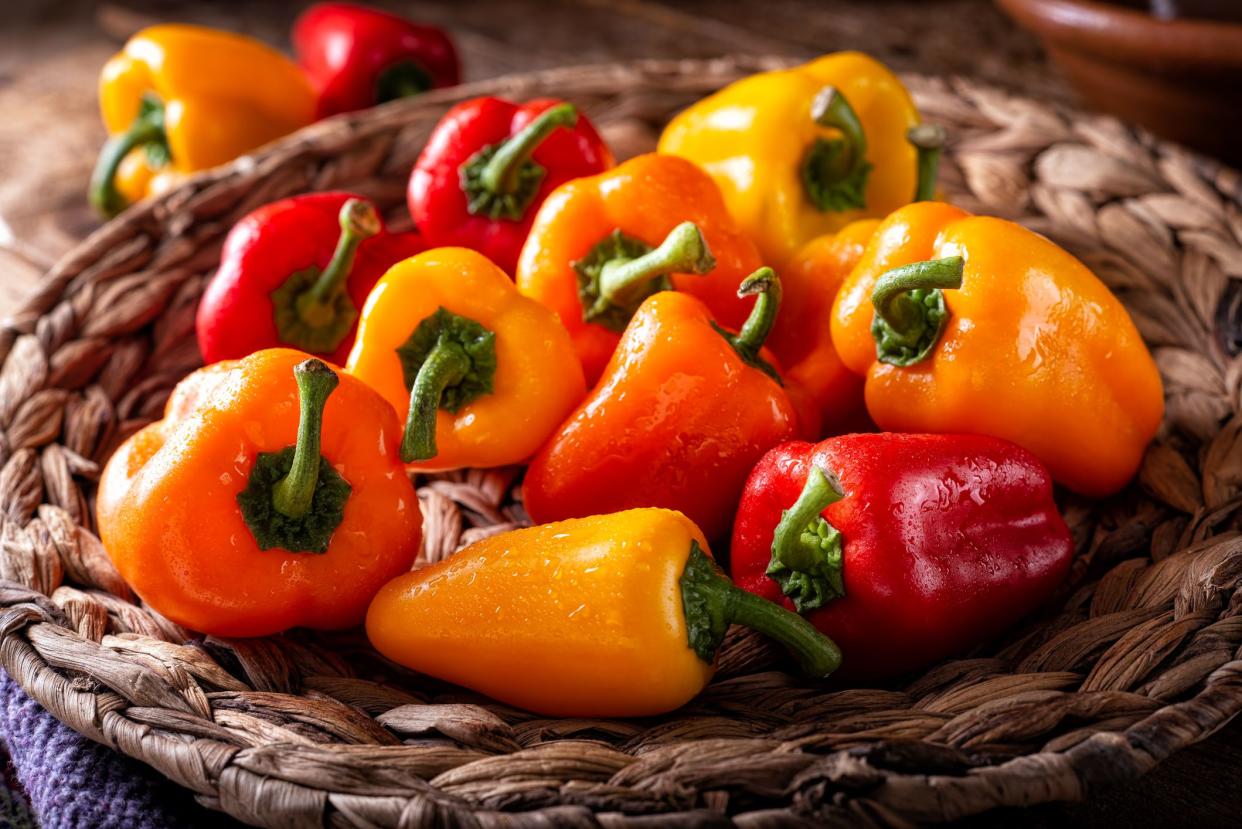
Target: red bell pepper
(296, 273)
(904, 548)
(357, 57)
(488, 166)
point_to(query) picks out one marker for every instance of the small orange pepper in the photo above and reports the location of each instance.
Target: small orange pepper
(972, 324)
(681, 415)
(600, 245)
(609, 616)
(268, 497)
(480, 374)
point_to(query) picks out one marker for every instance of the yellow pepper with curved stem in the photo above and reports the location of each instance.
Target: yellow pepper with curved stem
(480, 374)
(185, 98)
(805, 151)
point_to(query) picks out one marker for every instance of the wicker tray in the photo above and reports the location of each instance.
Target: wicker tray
(1137, 658)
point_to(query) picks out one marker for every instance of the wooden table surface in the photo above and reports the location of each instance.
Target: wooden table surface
(50, 54)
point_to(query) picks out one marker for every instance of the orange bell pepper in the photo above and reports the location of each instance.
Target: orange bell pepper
(682, 413)
(267, 498)
(480, 374)
(601, 245)
(610, 616)
(973, 324)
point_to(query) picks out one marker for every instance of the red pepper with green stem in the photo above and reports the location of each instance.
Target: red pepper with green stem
(904, 548)
(488, 166)
(296, 273)
(357, 57)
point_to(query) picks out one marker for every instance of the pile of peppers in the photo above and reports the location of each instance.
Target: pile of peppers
(768, 339)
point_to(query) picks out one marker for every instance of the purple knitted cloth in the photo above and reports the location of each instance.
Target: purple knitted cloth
(71, 782)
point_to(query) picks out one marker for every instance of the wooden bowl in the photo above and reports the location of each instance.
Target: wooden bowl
(1180, 78)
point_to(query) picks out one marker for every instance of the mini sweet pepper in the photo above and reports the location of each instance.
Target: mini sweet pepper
(905, 549)
(268, 497)
(480, 374)
(490, 163)
(965, 323)
(186, 98)
(357, 56)
(295, 273)
(609, 616)
(678, 419)
(602, 245)
(804, 151)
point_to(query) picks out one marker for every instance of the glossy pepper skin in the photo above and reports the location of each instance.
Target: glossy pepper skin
(802, 152)
(682, 413)
(609, 616)
(479, 374)
(488, 166)
(186, 98)
(646, 199)
(357, 56)
(295, 273)
(254, 506)
(802, 336)
(937, 544)
(1031, 347)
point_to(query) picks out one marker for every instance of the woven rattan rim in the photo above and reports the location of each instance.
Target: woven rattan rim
(1137, 658)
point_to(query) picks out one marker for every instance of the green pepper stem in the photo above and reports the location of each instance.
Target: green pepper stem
(316, 306)
(103, 194)
(905, 320)
(684, 250)
(501, 173)
(831, 109)
(401, 80)
(711, 603)
(765, 286)
(928, 140)
(790, 545)
(292, 494)
(446, 365)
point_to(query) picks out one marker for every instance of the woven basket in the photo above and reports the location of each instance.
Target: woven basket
(1137, 657)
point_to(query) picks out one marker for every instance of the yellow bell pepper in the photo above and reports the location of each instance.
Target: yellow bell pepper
(610, 616)
(805, 151)
(188, 98)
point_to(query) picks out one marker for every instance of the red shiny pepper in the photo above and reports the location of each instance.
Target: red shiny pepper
(357, 57)
(488, 166)
(938, 543)
(679, 417)
(296, 273)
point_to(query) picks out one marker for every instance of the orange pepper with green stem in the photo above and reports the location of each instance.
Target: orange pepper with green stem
(601, 245)
(480, 374)
(186, 98)
(268, 497)
(608, 616)
(802, 152)
(971, 324)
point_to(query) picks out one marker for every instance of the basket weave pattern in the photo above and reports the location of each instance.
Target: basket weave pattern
(1137, 657)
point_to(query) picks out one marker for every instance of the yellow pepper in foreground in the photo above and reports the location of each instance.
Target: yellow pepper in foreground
(805, 151)
(611, 616)
(184, 98)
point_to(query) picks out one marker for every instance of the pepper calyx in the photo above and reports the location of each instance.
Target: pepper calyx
(807, 554)
(312, 309)
(928, 141)
(910, 309)
(620, 272)
(501, 180)
(401, 80)
(765, 286)
(447, 362)
(294, 500)
(146, 131)
(711, 603)
(835, 170)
